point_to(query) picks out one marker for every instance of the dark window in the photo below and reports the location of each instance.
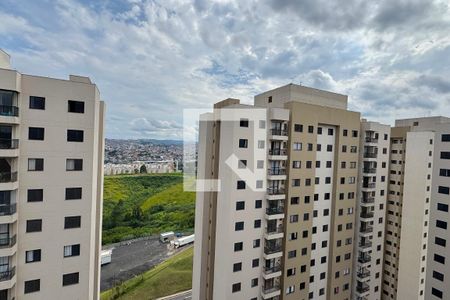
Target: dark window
(240, 185)
(444, 172)
(319, 130)
(72, 222)
(445, 155)
(33, 256)
(441, 224)
(75, 135)
(330, 131)
(236, 286)
(35, 164)
(71, 278)
(445, 138)
(72, 250)
(73, 193)
(238, 246)
(442, 207)
(35, 195)
(34, 225)
(311, 129)
(436, 292)
(258, 203)
(37, 102)
(298, 127)
(257, 224)
(32, 286)
(443, 190)
(240, 205)
(269, 99)
(439, 241)
(345, 132)
(440, 259)
(438, 276)
(243, 123)
(238, 226)
(36, 133)
(354, 133)
(76, 106)
(74, 164)
(243, 143)
(237, 267)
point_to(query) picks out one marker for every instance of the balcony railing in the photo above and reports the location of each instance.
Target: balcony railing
(8, 177)
(277, 152)
(370, 154)
(364, 258)
(7, 242)
(279, 132)
(275, 191)
(366, 215)
(8, 209)
(365, 244)
(270, 289)
(8, 274)
(363, 274)
(277, 171)
(369, 185)
(371, 139)
(269, 249)
(368, 199)
(366, 229)
(369, 170)
(275, 210)
(274, 230)
(9, 111)
(9, 143)
(273, 269)
(362, 288)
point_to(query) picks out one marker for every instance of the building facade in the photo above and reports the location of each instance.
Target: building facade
(51, 184)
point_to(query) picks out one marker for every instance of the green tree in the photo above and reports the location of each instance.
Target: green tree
(143, 169)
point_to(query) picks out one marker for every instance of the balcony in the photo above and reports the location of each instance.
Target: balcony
(271, 249)
(371, 139)
(273, 269)
(366, 214)
(370, 155)
(8, 209)
(8, 274)
(369, 170)
(7, 242)
(268, 292)
(276, 171)
(369, 185)
(6, 177)
(366, 229)
(364, 258)
(363, 274)
(9, 143)
(278, 132)
(9, 111)
(365, 244)
(275, 191)
(367, 199)
(275, 210)
(362, 288)
(273, 233)
(277, 152)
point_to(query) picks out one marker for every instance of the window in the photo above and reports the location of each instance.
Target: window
(243, 143)
(237, 267)
(269, 100)
(438, 276)
(442, 207)
(238, 246)
(258, 203)
(71, 278)
(297, 146)
(76, 106)
(260, 164)
(238, 226)
(444, 172)
(257, 224)
(36, 133)
(295, 200)
(237, 286)
(296, 164)
(72, 250)
(243, 123)
(445, 138)
(32, 286)
(240, 185)
(441, 224)
(256, 243)
(310, 129)
(329, 148)
(75, 135)
(443, 190)
(37, 102)
(34, 225)
(240, 205)
(72, 222)
(354, 133)
(295, 182)
(35, 164)
(255, 263)
(74, 164)
(254, 282)
(261, 144)
(73, 193)
(440, 259)
(298, 128)
(319, 130)
(439, 241)
(436, 292)
(242, 164)
(445, 155)
(32, 256)
(35, 195)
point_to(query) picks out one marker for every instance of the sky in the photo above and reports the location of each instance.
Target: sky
(152, 59)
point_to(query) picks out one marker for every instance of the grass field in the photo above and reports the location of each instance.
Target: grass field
(170, 277)
(138, 205)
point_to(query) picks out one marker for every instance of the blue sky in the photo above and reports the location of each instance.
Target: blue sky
(151, 59)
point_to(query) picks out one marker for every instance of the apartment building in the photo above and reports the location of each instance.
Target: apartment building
(413, 235)
(276, 220)
(370, 211)
(51, 182)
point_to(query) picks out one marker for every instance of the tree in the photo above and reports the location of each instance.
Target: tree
(143, 169)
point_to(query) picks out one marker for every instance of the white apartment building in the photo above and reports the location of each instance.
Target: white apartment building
(370, 211)
(51, 183)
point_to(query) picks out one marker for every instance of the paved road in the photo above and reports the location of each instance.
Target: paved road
(133, 259)
(180, 296)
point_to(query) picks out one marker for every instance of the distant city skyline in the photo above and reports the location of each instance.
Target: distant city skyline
(151, 59)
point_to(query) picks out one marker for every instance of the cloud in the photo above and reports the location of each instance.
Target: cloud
(151, 58)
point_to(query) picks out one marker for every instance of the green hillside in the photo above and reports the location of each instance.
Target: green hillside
(139, 205)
